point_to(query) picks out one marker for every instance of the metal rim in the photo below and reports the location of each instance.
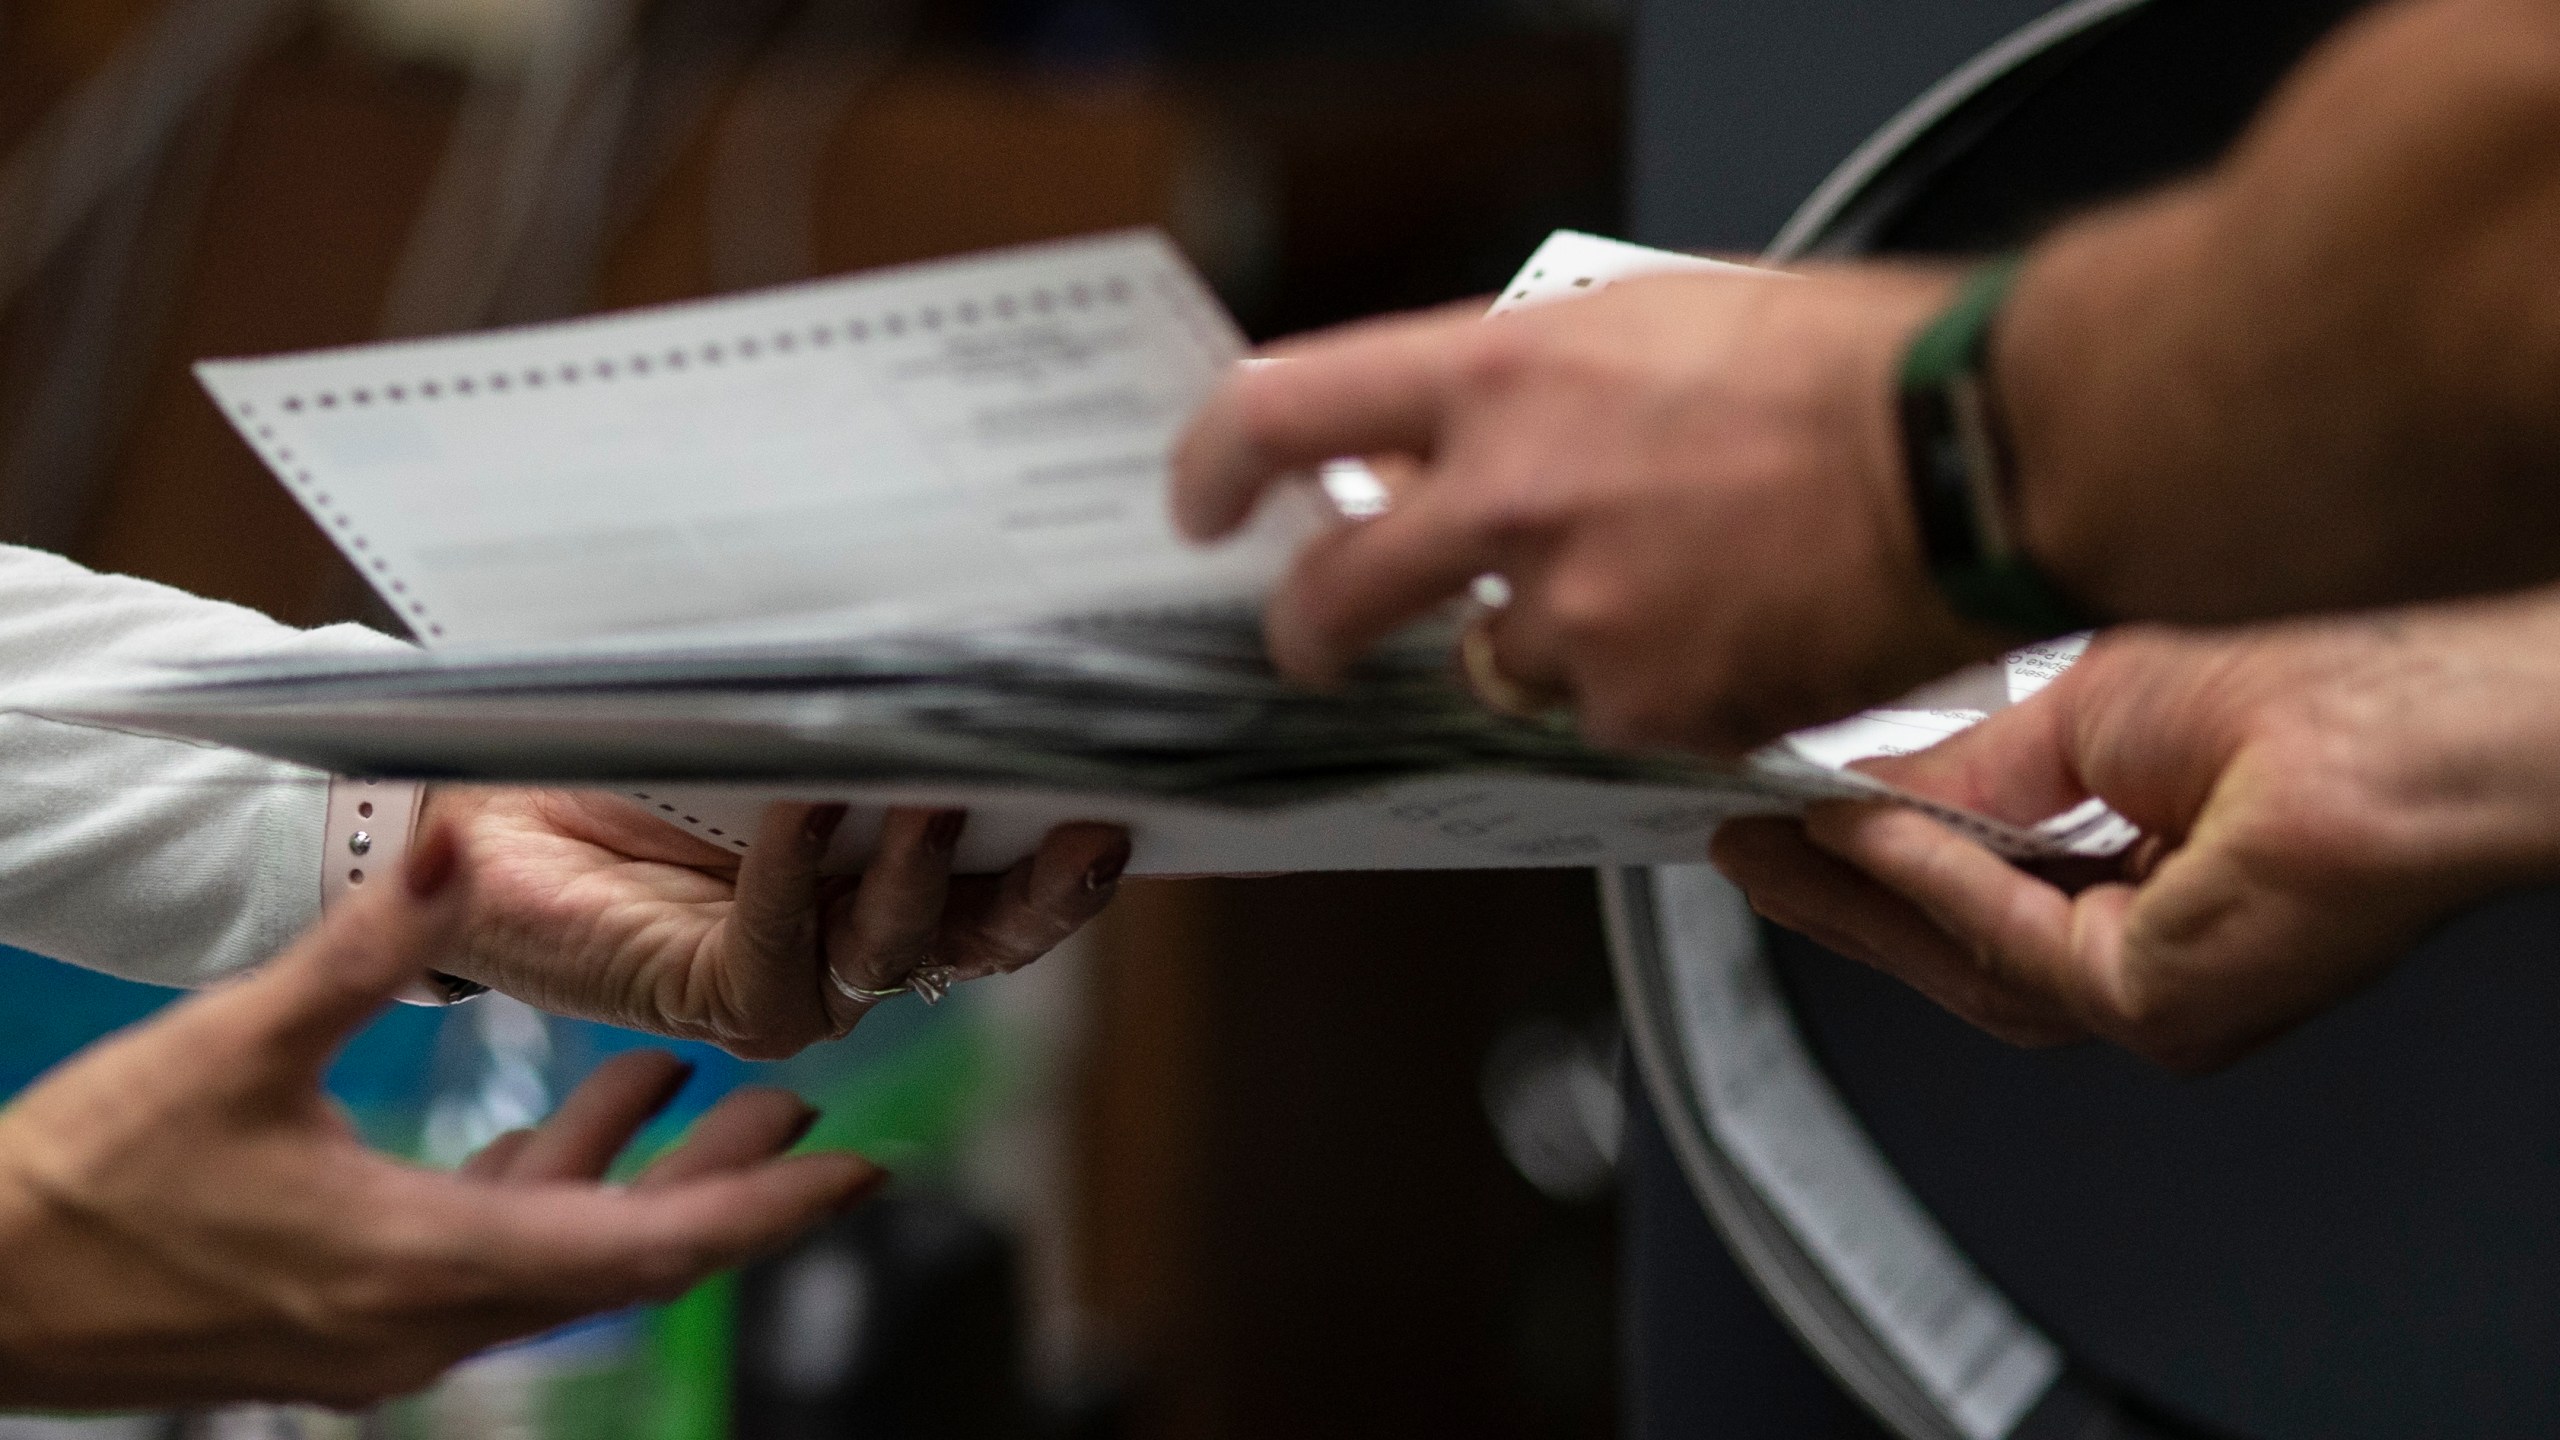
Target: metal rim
(1822, 209)
(1793, 1282)
(1806, 1295)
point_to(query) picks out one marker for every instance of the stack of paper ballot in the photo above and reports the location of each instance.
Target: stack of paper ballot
(902, 538)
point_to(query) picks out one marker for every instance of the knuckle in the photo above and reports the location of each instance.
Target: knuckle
(2165, 1024)
(1520, 508)
(2322, 834)
(1020, 951)
(1583, 605)
(346, 1391)
(1655, 716)
(362, 1302)
(882, 953)
(1497, 357)
(1618, 718)
(772, 1029)
(671, 1268)
(1608, 721)
(409, 1269)
(775, 1032)
(767, 1047)
(1045, 927)
(2134, 1012)
(1269, 415)
(401, 1372)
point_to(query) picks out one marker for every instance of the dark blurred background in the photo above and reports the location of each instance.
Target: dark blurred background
(1323, 1155)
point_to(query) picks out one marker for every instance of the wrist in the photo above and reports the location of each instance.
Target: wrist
(1898, 304)
(366, 836)
(461, 974)
(2471, 760)
(1893, 311)
(1959, 473)
(2092, 380)
(365, 842)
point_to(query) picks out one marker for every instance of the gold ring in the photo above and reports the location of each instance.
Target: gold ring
(1496, 690)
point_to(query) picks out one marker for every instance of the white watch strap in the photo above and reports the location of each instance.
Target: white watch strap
(370, 825)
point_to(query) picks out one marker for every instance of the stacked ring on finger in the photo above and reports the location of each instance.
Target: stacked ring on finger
(858, 994)
(929, 982)
(932, 982)
(1493, 686)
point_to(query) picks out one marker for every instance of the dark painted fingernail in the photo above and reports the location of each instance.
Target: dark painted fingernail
(434, 863)
(1105, 872)
(672, 1086)
(863, 1189)
(822, 823)
(942, 832)
(801, 1127)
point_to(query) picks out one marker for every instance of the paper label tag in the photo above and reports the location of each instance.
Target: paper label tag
(1782, 1123)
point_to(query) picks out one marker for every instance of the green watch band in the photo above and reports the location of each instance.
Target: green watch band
(1958, 469)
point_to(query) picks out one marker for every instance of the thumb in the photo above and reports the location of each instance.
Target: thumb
(299, 1008)
(2016, 766)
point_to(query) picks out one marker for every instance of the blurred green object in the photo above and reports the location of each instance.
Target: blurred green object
(695, 1366)
(907, 1101)
(907, 1104)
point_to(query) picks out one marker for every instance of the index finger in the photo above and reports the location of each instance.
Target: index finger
(582, 1137)
(1375, 388)
(2027, 933)
(1794, 884)
(585, 1247)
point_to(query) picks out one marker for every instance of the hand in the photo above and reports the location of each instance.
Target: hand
(2315, 796)
(585, 905)
(1693, 484)
(185, 1218)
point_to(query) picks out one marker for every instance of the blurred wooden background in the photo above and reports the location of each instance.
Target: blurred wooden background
(1292, 1215)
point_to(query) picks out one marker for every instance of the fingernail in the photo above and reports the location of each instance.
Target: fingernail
(942, 832)
(673, 1086)
(1105, 872)
(801, 1127)
(433, 864)
(863, 1189)
(823, 822)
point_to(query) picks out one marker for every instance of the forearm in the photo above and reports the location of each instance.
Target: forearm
(2442, 728)
(150, 858)
(2322, 374)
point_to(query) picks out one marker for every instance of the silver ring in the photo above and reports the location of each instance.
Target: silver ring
(851, 991)
(933, 982)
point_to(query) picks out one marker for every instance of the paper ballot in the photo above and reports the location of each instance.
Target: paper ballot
(902, 539)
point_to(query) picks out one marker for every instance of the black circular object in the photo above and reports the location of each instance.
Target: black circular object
(2344, 1236)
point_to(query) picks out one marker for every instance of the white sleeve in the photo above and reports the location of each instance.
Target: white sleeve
(153, 859)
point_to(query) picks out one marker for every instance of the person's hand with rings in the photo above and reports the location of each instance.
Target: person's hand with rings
(1692, 485)
(2314, 796)
(586, 905)
(185, 1218)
